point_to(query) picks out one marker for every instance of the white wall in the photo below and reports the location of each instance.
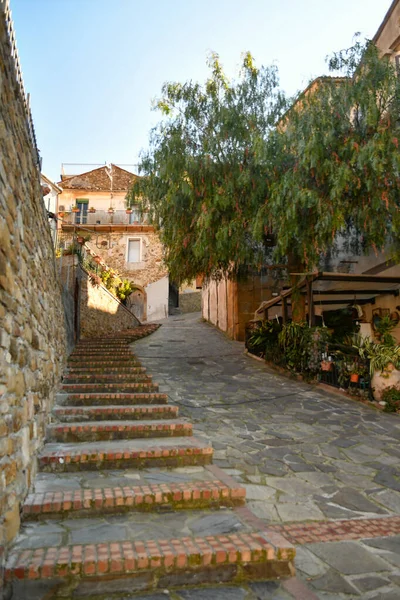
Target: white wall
(157, 299)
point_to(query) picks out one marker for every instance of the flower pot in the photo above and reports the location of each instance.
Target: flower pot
(326, 365)
(389, 377)
(80, 240)
(354, 377)
(76, 209)
(110, 211)
(92, 210)
(61, 214)
(129, 211)
(97, 259)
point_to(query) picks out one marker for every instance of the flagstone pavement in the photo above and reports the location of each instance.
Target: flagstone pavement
(321, 469)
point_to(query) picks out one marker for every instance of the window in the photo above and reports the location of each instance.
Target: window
(134, 217)
(81, 216)
(133, 251)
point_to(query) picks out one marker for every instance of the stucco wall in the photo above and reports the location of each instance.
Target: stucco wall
(100, 312)
(387, 38)
(157, 299)
(32, 338)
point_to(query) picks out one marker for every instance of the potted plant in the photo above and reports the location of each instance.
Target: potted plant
(111, 210)
(92, 209)
(326, 365)
(384, 361)
(129, 211)
(75, 209)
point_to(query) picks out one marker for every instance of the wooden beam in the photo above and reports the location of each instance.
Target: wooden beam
(362, 278)
(353, 292)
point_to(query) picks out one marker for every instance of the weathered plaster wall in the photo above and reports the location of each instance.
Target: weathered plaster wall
(100, 312)
(157, 299)
(230, 304)
(32, 334)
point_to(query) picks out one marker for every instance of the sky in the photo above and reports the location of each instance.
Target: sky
(93, 67)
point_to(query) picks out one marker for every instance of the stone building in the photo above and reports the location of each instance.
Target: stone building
(122, 237)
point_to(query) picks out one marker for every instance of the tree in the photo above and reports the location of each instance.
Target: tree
(202, 182)
(227, 165)
(337, 165)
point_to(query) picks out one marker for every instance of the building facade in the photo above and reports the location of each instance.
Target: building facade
(94, 203)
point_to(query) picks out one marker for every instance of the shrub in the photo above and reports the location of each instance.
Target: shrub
(392, 398)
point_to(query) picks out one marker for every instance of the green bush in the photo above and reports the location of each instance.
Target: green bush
(392, 398)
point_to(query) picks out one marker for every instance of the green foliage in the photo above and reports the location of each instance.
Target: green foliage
(380, 356)
(383, 327)
(124, 289)
(203, 180)
(220, 174)
(263, 341)
(391, 396)
(293, 345)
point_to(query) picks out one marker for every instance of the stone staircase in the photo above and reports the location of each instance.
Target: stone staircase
(127, 498)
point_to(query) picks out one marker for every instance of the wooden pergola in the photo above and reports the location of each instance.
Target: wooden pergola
(337, 290)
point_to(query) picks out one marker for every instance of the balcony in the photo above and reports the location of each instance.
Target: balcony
(102, 220)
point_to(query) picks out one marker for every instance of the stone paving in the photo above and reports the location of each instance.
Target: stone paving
(303, 454)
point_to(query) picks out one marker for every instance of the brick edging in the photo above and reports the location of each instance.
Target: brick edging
(126, 557)
(345, 529)
(178, 495)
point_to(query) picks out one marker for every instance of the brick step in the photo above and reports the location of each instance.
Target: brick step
(104, 350)
(99, 362)
(107, 377)
(116, 430)
(81, 388)
(105, 500)
(107, 567)
(137, 454)
(98, 413)
(112, 399)
(104, 370)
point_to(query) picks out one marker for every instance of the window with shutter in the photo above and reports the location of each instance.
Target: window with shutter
(133, 251)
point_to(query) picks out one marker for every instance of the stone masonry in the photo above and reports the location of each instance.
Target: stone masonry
(32, 336)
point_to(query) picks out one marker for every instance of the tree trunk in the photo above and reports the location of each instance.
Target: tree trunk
(298, 300)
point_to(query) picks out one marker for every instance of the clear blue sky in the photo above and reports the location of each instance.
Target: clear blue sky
(93, 66)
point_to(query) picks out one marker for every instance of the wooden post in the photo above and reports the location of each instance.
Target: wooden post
(310, 301)
(284, 310)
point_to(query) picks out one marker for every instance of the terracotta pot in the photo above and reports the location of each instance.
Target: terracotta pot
(381, 380)
(110, 211)
(97, 259)
(354, 377)
(76, 209)
(92, 210)
(326, 365)
(129, 211)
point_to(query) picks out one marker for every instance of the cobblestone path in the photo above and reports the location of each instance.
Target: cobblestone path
(320, 468)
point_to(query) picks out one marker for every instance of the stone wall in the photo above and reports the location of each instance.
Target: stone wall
(32, 338)
(100, 312)
(190, 301)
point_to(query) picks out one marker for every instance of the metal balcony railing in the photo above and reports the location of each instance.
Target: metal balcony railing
(103, 217)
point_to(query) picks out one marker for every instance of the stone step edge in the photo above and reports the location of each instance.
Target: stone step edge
(122, 558)
(103, 370)
(85, 386)
(63, 459)
(191, 494)
(87, 430)
(135, 411)
(63, 399)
